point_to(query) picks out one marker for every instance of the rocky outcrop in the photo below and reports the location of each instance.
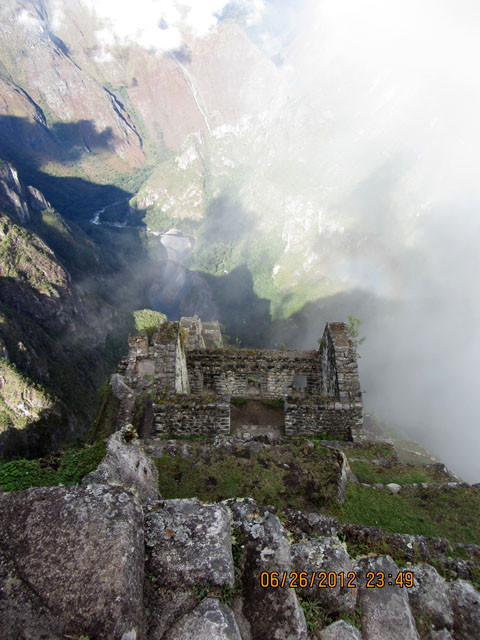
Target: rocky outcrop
(107, 560)
(386, 613)
(16, 199)
(71, 563)
(127, 465)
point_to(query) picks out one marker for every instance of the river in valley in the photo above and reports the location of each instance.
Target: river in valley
(175, 290)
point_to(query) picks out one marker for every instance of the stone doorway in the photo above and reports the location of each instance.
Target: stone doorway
(255, 417)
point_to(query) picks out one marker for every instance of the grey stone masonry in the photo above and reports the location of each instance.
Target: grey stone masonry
(306, 418)
(157, 362)
(202, 335)
(192, 416)
(320, 388)
(252, 372)
(339, 368)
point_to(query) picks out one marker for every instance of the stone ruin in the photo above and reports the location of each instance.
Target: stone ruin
(179, 380)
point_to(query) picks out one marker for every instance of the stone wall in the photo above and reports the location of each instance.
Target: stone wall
(178, 359)
(191, 416)
(252, 372)
(181, 373)
(338, 364)
(304, 417)
(157, 363)
(201, 335)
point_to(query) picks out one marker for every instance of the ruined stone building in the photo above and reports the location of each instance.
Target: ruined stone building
(180, 380)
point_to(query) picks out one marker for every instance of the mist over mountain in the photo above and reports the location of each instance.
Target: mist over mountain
(317, 161)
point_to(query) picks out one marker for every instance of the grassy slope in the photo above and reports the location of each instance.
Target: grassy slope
(289, 475)
(65, 468)
(441, 513)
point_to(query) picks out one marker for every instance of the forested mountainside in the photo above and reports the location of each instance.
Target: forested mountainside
(60, 333)
(187, 132)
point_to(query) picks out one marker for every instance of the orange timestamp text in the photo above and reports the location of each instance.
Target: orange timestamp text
(332, 579)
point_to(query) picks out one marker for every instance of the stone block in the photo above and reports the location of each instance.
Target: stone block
(325, 555)
(209, 621)
(189, 542)
(429, 597)
(386, 613)
(72, 563)
(465, 601)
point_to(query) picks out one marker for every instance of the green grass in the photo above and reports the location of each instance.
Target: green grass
(288, 475)
(61, 468)
(442, 512)
(412, 453)
(371, 474)
(147, 319)
(373, 451)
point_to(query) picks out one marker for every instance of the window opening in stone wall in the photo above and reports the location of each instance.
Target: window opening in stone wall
(300, 383)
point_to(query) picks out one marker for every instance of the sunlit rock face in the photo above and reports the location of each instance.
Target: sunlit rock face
(46, 87)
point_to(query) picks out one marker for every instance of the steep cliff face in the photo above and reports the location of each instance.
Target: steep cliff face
(55, 329)
(16, 199)
(61, 112)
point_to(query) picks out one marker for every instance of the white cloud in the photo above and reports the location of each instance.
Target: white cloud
(153, 24)
(29, 21)
(398, 160)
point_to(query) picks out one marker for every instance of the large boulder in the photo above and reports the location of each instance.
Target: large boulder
(386, 614)
(189, 542)
(310, 525)
(329, 556)
(340, 631)
(429, 597)
(209, 621)
(443, 634)
(72, 563)
(465, 601)
(127, 465)
(22, 612)
(164, 606)
(271, 612)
